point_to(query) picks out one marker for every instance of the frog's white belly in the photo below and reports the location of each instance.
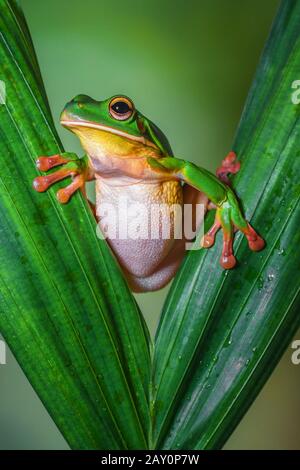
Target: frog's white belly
(139, 220)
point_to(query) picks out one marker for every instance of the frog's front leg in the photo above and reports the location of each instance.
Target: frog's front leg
(228, 213)
(71, 165)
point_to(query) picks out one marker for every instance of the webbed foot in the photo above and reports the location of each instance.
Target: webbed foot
(230, 219)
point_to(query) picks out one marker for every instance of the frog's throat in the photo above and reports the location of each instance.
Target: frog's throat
(112, 130)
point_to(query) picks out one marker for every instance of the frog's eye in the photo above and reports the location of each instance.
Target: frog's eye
(121, 108)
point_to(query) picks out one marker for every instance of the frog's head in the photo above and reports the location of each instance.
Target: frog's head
(114, 124)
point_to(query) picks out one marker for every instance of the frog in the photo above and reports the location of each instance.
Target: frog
(128, 156)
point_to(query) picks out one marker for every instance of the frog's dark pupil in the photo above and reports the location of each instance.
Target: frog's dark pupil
(120, 107)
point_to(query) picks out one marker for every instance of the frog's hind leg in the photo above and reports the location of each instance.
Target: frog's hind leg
(229, 166)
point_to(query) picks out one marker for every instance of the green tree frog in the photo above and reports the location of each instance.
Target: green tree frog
(128, 155)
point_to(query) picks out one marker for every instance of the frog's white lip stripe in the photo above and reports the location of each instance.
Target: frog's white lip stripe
(112, 130)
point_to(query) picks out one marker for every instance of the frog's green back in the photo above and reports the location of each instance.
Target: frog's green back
(161, 138)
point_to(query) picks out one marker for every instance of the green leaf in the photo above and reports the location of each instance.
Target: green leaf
(65, 309)
(222, 333)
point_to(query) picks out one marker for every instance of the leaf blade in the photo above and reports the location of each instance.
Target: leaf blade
(65, 286)
(195, 323)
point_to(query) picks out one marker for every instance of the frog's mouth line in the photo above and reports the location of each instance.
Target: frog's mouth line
(112, 130)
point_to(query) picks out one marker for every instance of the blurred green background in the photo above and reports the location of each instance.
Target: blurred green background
(188, 66)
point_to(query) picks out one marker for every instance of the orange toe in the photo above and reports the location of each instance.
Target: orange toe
(40, 184)
(228, 262)
(257, 244)
(207, 241)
